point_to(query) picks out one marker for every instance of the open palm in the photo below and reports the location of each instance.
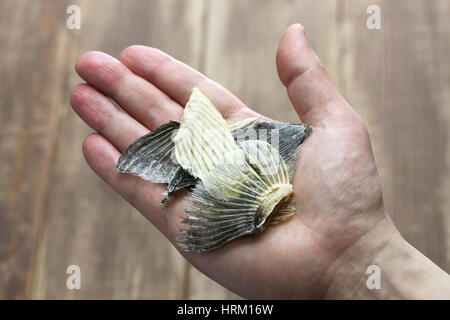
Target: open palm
(337, 191)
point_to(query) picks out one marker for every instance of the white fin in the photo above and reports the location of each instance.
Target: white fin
(244, 124)
(286, 211)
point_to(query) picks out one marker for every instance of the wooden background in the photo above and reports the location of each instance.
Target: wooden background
(55, 212)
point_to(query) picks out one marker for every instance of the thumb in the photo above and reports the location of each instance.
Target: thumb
(313, 94)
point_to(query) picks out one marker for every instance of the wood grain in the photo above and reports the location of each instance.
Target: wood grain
(31, 74)
(397, 78)
(54, 212)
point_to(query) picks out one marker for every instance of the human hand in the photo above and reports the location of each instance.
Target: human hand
(340, 227)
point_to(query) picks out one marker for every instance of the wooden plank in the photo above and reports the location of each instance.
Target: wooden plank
(30, 76)
(242, 42)
(397, 78)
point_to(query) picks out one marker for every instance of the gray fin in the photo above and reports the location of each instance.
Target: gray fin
(181, 180)
(287, 138)
(291, 136)
(150, 156)
(188, 181)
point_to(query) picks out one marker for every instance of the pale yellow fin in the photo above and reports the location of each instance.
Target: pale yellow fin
(204, 140)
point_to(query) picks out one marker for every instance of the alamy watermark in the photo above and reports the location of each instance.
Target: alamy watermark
(374, 20)
(374, 280)
(74, 19)
(73, 281)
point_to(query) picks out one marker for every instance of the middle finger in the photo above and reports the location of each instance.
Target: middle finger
(141, 99)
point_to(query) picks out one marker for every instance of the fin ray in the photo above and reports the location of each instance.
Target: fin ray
(149, 156)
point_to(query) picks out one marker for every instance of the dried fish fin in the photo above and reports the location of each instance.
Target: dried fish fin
(188, 180)
(150, 156)
(138, 154)
(181, 179)
(287, 138)
(204, 139)
(234, 201)
(286, 211)
(291, 138)
(244, 124)
(213, 221)
(266, 161)
(241, 188)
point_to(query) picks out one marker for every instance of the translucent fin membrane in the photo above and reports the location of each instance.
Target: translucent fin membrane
(181, 180)
(150, 156)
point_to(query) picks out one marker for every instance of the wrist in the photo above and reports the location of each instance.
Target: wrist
(382, 265)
